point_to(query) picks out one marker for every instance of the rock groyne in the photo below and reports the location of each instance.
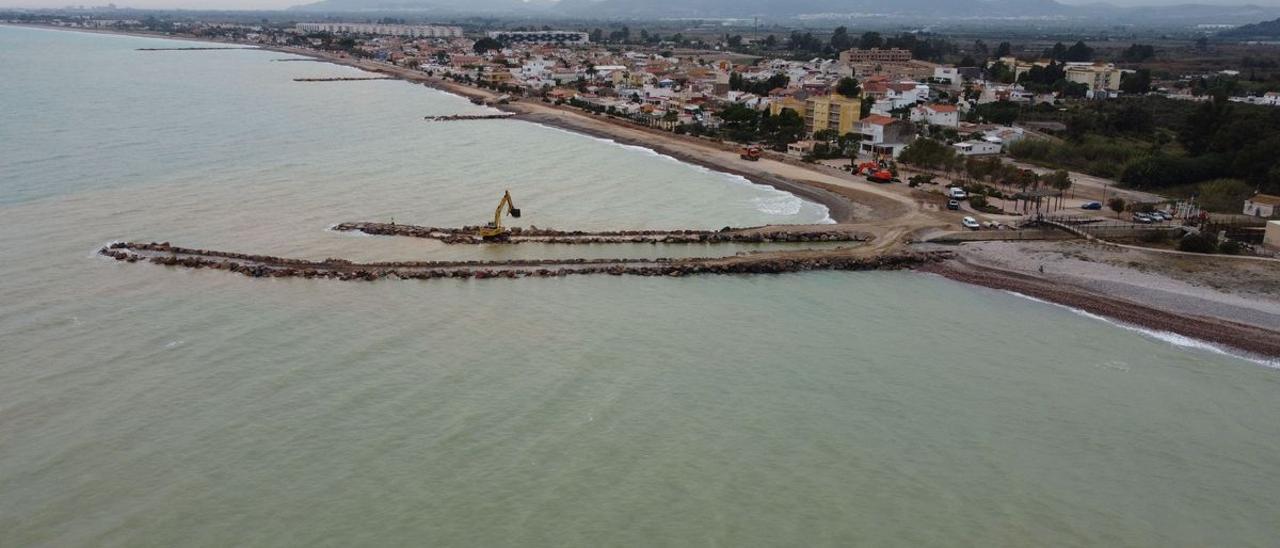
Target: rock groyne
(466, 117)
(470, 235)
(344, 79)
(188, 49)
(262, 266)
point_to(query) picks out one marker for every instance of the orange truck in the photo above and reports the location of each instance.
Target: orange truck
(751, 153)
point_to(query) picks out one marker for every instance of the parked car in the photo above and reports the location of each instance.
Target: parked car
(970, 223)
(953, 204)
(1141, 218)
(958, 193)
(1167, 216)
(1094, 206)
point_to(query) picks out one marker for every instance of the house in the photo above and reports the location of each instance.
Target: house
(1262, 205)
(900, 94)
(977, 148)
(937, 115)
(884, 136)
(948, 74)
(800, 148)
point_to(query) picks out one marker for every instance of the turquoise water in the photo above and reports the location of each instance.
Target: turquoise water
(142, 406)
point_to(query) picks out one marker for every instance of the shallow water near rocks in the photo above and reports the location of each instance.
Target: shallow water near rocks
(146, 406)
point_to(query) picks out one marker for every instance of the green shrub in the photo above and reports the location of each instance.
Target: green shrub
(1224, 195)
(1154, 236)
(1197, 243)
(1231, 247)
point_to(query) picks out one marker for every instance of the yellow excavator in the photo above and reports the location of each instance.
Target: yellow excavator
(494, 231)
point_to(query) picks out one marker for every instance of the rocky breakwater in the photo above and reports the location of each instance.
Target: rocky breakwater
(261, 266)
(470, 235)
(346, 79)
(464, 117)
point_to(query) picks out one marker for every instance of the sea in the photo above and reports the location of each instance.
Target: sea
(147, 406)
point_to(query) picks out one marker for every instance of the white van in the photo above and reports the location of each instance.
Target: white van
(958, 193)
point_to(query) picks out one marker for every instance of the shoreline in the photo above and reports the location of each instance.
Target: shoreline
(1254, 341)
(839, 208)
(1112, 305)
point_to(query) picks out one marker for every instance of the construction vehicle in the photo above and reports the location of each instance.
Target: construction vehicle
(876, 172)
(751, 153)
(494, 230)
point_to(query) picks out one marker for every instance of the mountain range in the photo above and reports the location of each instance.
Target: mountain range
(819, 9)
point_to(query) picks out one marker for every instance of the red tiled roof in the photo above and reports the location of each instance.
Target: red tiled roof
(1265, 199)
(879, 120)
(942, 108)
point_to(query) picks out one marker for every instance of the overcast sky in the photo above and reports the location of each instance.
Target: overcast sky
(280, 4)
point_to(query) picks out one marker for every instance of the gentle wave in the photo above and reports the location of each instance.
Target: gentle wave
(1164, 336)
(781, 203)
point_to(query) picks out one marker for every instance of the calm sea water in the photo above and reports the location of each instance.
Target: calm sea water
(141, 406)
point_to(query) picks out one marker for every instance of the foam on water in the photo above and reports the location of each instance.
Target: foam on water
(776, 202)
(1165, 336)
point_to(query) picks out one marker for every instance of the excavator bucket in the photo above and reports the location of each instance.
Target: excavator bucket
(515, 212)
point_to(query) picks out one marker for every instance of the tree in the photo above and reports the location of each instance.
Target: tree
(1001, 72)
(870, 40)
(979, 48)
(1060, 181)
(1079, 52)
(786, 127)
(840, 39)
(485, 44)
(1137, 82)
(848, 87)
(928, 153)
(734, 41)
(1138, 53)
(1057, 53)
(1117, 205)
(1005, 49)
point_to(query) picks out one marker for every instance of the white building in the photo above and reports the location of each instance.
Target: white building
(951, 75)
(977, 148)
(884, 136)
(1262, 205)
(937, 115)
(541, 37)
(412, 31)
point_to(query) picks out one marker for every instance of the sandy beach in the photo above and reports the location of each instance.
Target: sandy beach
(1232, 303)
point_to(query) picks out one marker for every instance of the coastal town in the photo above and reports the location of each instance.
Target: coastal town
(1009, 150)
(547, 273)
(1016, 131)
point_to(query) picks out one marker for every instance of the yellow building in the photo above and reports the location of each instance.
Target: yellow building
(776, 106)
(833, 111)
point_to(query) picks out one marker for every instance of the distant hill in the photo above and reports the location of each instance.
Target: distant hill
(1266, 30)
(883, 10)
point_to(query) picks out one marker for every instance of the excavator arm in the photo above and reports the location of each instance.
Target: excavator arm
(495, 230)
